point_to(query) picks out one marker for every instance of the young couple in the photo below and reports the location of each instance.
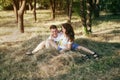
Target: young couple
(62, 40)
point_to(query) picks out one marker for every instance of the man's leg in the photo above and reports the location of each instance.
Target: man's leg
(40, 46)
(51, 43)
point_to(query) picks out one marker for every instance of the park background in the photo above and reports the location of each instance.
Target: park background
(96, 24)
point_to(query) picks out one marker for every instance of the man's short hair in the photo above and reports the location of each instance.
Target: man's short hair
(53, 27)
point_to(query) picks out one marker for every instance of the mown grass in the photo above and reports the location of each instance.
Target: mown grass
(49, 64)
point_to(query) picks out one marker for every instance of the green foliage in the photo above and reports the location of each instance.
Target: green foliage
(43, 4)
(76, 8)
(110, 5)
(5, 4)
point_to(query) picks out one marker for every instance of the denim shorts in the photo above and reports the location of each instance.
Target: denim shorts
(75, 46)
(59, 48)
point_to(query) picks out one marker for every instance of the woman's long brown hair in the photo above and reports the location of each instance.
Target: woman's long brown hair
(69, 31)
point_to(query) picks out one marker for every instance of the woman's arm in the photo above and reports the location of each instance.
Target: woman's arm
(69, 45)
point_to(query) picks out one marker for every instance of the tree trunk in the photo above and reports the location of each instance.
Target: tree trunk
(61, 4)
(96, 8)
(34, 10)
(68, 3)
(30, 5)
(53, 6)
(16, 8)
(21, 15)
(88, 15)
(83, 15)
(20, 22)
(70, 10)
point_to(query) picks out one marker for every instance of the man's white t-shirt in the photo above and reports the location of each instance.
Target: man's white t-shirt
(57, 38)
(61, 40)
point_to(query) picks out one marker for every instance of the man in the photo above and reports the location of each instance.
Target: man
(55, 35)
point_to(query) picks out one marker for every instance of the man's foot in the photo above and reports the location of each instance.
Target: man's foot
(95, 55)
(29, 53)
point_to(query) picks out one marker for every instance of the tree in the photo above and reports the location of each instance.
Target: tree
(53, 6)
(34, 10)
(30, 4)
(89, 15)
(85, 14)
(21, 16)
(19, 13)
(16, 8)
(96, 8)
(69, 9)
(19, 8)
(32, 7)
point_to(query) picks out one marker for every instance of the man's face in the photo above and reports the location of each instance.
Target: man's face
(54, 32)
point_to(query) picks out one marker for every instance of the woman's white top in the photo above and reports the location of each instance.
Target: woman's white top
(63, 42)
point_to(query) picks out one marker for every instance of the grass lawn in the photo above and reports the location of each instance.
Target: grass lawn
(48, 64)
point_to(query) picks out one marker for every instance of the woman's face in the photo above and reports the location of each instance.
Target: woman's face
(63, 29)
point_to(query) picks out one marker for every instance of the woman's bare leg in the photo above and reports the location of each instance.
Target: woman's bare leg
(94, 54)
(85, 49)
